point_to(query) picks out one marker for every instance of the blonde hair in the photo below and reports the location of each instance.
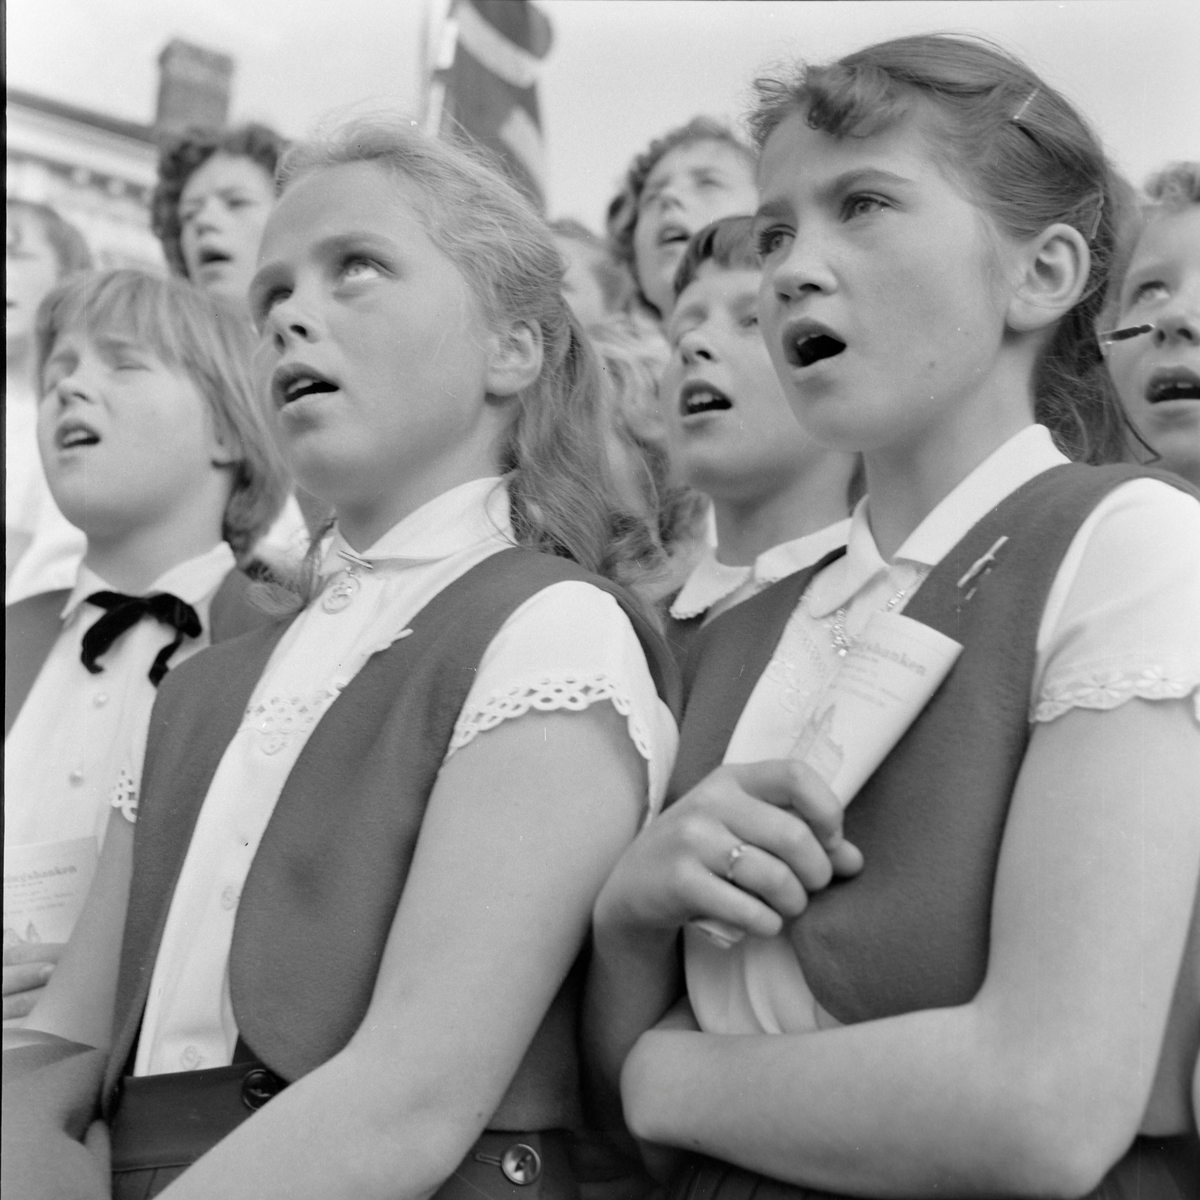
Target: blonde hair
(196, 334)
(560, 483)
(633, 355)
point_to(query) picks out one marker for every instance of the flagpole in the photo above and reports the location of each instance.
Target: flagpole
(441, 39)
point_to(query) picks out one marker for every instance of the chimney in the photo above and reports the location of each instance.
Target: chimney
(193, 88)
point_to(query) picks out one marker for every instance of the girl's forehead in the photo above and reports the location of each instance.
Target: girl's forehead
(704, 152)
(222, 170)
(1170, 238)
(796, 156)
(348, 195)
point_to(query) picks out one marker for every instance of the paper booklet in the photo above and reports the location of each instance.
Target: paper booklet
(45, 885)
(880, 687)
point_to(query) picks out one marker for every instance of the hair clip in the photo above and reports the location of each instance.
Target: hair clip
(1016, 117)
(1096, 219)
(1123, 335)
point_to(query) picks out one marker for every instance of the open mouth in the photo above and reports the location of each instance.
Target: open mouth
(1173, 384)
(72, 434)
(209, 255)
(807, 342)
(700, 397)
(672, 234)
(295, 382)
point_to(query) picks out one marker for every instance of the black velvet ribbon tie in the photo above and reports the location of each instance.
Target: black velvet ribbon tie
(123, 612)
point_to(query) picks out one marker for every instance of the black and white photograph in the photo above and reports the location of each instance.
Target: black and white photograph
(602, 600)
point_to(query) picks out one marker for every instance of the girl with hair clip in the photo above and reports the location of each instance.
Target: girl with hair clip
(982, 979)
(369, 838)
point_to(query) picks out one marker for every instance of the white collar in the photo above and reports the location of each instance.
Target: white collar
(472, 512)
(191, 580)
(711, 581)
(1021, 458)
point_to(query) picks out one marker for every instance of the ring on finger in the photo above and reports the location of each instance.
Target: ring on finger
(735, 853)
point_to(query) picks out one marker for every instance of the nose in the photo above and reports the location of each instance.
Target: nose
(1178, 324)
(206, 218)
(802, 270)
(290, 321)
(74, 388)
(694, 347)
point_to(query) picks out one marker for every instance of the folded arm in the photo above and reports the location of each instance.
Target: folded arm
(1041, 1082)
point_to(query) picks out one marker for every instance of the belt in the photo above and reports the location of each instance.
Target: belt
(163, 1123)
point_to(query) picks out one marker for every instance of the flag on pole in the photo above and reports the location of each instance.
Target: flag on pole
(486, 55)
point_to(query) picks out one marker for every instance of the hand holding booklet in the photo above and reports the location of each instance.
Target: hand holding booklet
(881, 685)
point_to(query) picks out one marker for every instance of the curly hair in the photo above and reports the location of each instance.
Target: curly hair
(622, 217)
(1024, 155)
(180, 160)
(200, 336)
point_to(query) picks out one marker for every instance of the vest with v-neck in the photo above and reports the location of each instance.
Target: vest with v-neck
(325, 883)
(911, 931)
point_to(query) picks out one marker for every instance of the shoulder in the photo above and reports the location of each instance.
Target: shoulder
(1139, 525)
(569, 646)
(1120, 618)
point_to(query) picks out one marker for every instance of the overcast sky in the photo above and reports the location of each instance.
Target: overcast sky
(620, 72)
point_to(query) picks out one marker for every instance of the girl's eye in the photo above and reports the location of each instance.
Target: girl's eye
(771, 241)
(861, 206)
(357, 270)
(749, 321)
(1152, 289)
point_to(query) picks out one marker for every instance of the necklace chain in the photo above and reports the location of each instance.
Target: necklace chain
(842, 641)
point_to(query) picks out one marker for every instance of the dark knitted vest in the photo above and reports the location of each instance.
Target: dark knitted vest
(911, 931)
(323, 889)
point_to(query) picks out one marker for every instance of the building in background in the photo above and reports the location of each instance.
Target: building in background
(99, 171)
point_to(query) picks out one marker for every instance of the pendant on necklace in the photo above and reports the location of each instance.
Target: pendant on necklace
(343, 588)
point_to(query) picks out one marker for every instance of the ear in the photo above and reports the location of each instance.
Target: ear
(514, 359)
(1052, 271)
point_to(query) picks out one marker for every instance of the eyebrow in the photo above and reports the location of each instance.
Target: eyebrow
(838, 186)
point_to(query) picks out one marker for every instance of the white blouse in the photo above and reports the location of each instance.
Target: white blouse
(76, 731)
(1122, 619)
(715, 586)
(567, 647)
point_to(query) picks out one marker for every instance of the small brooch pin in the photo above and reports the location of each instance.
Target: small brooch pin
(979, 568)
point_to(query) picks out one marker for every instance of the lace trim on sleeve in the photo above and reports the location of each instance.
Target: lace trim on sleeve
(124, 796)
(1110, 689)
(574, 692)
